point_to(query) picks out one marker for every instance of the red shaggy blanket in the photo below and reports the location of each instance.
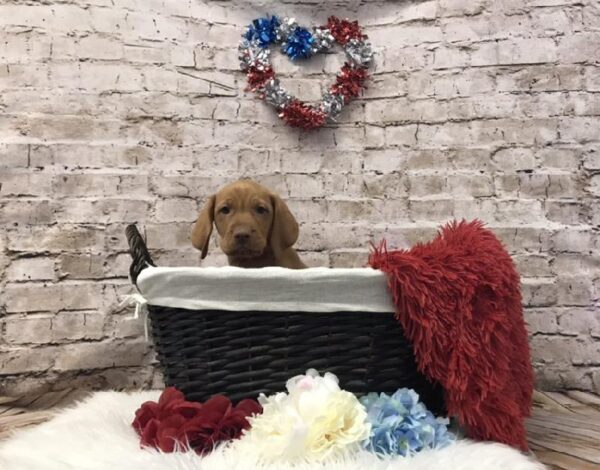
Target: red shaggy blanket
(458, 299)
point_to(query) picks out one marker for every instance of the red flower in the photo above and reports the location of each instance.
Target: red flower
(174, 422)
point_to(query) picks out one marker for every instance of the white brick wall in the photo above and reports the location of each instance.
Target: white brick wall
(119, 111)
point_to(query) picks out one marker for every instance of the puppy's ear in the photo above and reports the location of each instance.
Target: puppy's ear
(203, 227)
(284, 231)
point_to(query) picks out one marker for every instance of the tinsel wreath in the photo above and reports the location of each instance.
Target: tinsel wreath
(302, 43)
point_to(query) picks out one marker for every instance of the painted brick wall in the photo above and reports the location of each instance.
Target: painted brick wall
(115, 111)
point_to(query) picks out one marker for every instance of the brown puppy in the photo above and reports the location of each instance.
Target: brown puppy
(255, 226)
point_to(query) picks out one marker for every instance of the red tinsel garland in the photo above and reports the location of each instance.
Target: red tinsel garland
(297, 114)
(344, 30)
(258, 77)
(350, 82)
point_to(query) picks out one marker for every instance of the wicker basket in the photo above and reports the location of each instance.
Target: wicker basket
(204, 352)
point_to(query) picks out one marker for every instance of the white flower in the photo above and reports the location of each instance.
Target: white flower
(314, 420)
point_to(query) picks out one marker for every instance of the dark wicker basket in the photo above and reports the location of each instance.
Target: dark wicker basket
(241, 354)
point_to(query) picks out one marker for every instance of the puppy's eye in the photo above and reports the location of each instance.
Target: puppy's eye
(224, 210)
(262, 210)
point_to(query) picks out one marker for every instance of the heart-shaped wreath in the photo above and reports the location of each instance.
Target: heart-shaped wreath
(300, 43)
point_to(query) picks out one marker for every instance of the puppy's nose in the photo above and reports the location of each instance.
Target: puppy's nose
(242, 237)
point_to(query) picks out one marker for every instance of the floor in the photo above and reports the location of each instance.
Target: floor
(564, 431)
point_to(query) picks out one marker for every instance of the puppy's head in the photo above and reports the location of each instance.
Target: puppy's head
(249, 218)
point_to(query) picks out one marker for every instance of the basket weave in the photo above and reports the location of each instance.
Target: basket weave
(242, 354)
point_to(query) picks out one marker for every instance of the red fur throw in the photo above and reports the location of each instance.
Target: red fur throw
(458, 300)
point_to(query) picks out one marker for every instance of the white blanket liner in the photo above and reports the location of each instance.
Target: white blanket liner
(271, 289)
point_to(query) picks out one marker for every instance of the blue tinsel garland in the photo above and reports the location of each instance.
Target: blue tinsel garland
(299, 44)
(263, 30)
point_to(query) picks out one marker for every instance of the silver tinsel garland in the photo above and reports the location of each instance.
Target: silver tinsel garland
(359, 52)
(275, 94)
(323, 40)
(287, 27)
(332, 105)
(251, 54)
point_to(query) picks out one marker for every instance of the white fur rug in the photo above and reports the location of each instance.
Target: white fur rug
(96, 434)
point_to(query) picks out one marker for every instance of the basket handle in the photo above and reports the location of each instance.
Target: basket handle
(138, 251)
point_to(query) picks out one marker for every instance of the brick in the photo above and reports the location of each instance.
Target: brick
(565, 212)
(579, 321)
(96, 47)
(107, 77)
(405, 35)
(81, 266)
(27, 212)
(594, 185)
(524, 210)
(55, 239)
(555, 349)
(410, 58)
(425, 10)
(25, 184)
(514, 159)
(431, 210)
(459, 29)
(169, 236)
(580, 264)
(579, 129)
(36, 297)
(592, 81)
(421, 185)
(145, 54)
(482, 209)
(402, 111)
(348, 259)
(101, 355)
(516, 132)
(101, 211)
(574, 290)
(386, 86)
(172, 210)
(539, 292)
(31, 269)
(69, 156)
(542, 320)
(470, 185)
(24, 330)
(126, 327)
(19, 360)
(443, 135)
(542, 78)
(533, 265)
(14, 155)
(562, 158)
(461, 7)
(374, 136)
(579, 47)
(526, 51)
(70, 326)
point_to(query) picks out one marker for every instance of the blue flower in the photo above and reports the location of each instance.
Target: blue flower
(299, 44)
(263, 30)
(401, 425)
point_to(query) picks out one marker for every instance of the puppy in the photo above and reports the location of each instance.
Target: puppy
(255, 226)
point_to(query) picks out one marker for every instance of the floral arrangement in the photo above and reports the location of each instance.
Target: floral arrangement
(298, 42)
(312, 421)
